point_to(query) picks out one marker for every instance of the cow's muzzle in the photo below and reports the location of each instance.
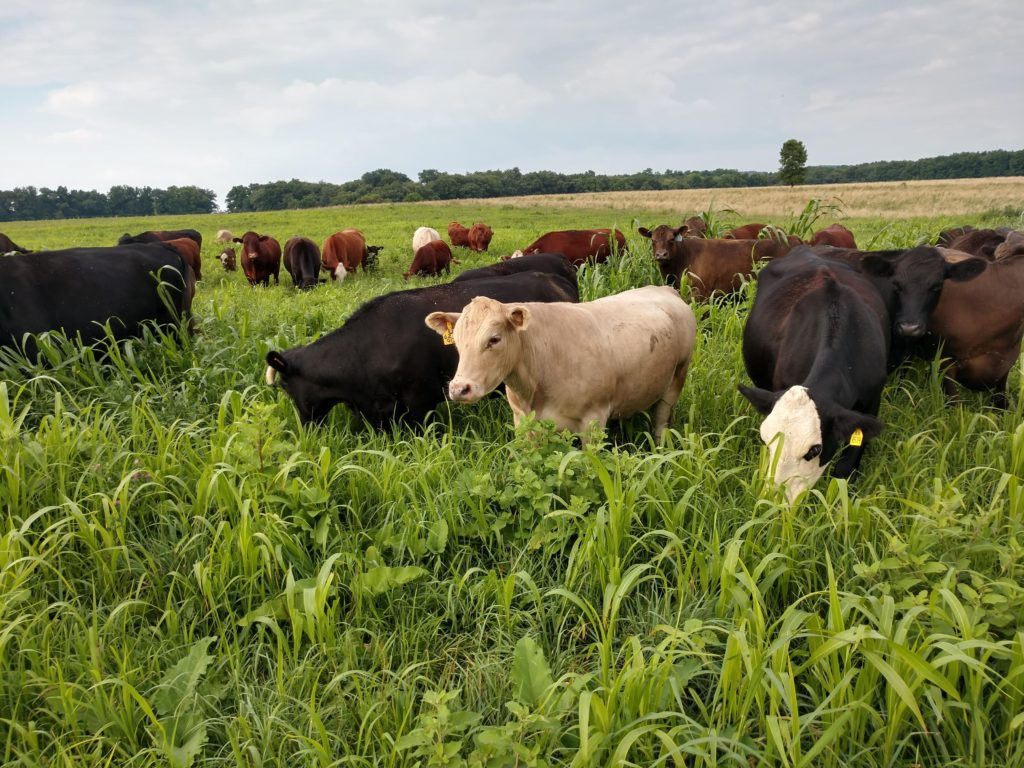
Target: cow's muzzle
(911, 330)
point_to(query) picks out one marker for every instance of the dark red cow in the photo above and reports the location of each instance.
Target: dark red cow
(431, 259)
(835, 235)
(160, 235)
(578, 245)
(947, 236)
(480, 237)
(189, 251)
(458, 234)
(261, 258)
(980, 242)
(746, 232)
(343, 252)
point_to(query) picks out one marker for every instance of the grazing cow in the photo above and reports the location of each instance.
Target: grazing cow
(555, 263)
(384, 363)
(980, 242)
(431, 259)
(835, 235)
(746, 232)
(261, 258)
(77, 290)
(343, 252)
(1013, 245)
(227, 259)
(224, 236)
(458, 234)
(9, 246)
(189, 251)
(815, 346)
(575, 364)
(480, 237)
(157, 236)
(372, 251)
(422, 236)
(695, 226)
(302, 260)
(947, 236)
(715, 265)
(578, 245)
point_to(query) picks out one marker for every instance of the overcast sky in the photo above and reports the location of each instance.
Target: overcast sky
(100, 92)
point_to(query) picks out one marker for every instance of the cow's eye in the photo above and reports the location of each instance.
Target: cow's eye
(492, 341)
(936, 288)
(813, 453)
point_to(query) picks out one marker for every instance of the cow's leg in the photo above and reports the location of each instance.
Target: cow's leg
(663, 410)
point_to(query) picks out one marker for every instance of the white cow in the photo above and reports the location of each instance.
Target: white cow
(575, 363)
(224, 236)
(422, 236)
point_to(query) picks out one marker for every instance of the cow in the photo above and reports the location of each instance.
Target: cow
(384, 363)
(343, 252)
(302, 260)
(714, 266)
(422, 236)
(980, 242)
(458, 234)
(372, 251)
(189, 250)
(9, 246)
(835, 235)
(159, 235)
(815, 346)
(947, 236)
(480, 237)
(78, 290)
(745, 232)
(224, 236)
(575, 364)
(555, 263)
(227, 259)
(261, 258)
(430, 260)
(578, 245)
(1013, 245)
(695, 227)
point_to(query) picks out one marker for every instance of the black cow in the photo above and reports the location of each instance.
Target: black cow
(553, 263)
(9, 246)
(302, 260)
(384, 362)
(77, 290)
(815, 345)
(160, 235)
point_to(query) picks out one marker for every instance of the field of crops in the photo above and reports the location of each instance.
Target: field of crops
(187, 576)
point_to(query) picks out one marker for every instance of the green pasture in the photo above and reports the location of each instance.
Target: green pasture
(188, 577)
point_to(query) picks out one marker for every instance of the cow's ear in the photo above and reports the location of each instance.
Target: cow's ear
(762, 400)
(236, 239)
(967, 269)
(854, 428)
(442, 322)
(276, 361)
(519, 316)
(264, 238)
(644, 232)
(878, 266)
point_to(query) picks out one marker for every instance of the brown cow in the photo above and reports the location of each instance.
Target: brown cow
(343, 252)
(577, 245)
(9, 246)
(227, 259)
(189, 251)
(746, 232)
(261, 258)
(947, 236)
(835, 235)
(715, 265)
(1013, 245)
(480, 237)
(430, 259)
(160, 236)
(695, 227)
(980, 242)
(458, 234)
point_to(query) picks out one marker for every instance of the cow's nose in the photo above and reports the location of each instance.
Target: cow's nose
(910, 329)
(661, 255)
(459, 391)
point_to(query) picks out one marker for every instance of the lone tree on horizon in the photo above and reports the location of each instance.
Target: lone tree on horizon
(792, 162)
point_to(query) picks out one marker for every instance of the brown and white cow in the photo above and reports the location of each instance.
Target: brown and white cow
(458, 234)
(577, 245)
(422, 236)
(227, 259)
(835, 235)
(480, 237)
(343, 252)
(575, 364)
(431, 259)
(261, 258)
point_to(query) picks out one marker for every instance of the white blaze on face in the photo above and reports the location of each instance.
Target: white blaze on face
(339, 273)
(791, 430)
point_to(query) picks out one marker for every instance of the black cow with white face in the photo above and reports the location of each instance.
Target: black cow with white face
(384, 363)
(815, 346)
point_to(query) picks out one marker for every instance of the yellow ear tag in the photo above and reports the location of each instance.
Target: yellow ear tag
(447, 337)
(857, 438)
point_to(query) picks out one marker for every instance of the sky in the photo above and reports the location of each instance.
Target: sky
(146, 93)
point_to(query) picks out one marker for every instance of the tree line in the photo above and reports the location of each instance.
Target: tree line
(62, 203)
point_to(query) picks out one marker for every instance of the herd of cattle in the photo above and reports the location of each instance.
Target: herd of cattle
(828, 324)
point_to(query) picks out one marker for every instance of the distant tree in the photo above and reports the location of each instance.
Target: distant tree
(792, 162)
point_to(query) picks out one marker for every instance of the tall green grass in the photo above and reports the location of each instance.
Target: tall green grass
(188, 576)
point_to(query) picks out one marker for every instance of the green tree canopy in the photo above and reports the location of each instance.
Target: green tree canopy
(792, 162)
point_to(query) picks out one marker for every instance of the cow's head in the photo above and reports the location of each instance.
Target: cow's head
(917, 277)
(482, 234)
(487, 334)
(803, 435)
(695, 227)
(227, 259)
(251, 243)
(662, 239)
